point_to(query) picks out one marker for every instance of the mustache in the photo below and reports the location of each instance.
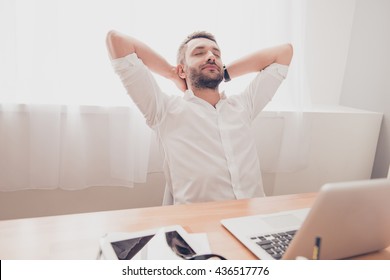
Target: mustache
(210, 63)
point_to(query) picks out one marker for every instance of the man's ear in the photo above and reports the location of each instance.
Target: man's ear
(180, 71)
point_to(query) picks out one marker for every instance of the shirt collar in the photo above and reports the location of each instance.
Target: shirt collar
(189, 95)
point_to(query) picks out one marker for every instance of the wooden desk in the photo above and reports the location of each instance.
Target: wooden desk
(77, 236)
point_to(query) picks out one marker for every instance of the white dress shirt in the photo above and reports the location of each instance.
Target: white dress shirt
(209, 152)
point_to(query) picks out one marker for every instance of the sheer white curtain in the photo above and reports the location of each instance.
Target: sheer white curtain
(71, 147)
(65, 120)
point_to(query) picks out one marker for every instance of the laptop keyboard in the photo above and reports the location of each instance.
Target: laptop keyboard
(275, 244)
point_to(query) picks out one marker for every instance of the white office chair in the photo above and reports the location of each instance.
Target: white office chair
(388, 173)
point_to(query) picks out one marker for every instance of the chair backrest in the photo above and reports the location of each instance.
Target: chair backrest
(388, 173)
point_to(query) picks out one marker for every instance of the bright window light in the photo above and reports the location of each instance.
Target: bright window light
(53, 51)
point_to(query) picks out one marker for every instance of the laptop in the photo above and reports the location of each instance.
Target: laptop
(347, 219)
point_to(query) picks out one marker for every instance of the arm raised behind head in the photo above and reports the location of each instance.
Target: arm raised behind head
(259, 60)
(120, 45)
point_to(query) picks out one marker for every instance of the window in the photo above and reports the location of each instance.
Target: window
(53, 59)
(53, 51)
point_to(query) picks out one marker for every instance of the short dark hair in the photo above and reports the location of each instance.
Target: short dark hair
(195, 35)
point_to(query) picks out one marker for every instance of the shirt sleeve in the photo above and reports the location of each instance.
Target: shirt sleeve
(262, 89)
(142, 87)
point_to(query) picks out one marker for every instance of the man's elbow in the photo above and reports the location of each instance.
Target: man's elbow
(111, 38)
(286, 54)
(118, 44)
(290, 52)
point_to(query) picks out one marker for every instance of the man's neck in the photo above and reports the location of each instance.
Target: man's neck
(211, 96)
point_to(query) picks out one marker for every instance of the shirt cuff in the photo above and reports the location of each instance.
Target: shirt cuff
(122, 63)
(277, 70)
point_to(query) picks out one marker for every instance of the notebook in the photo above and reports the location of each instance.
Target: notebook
(349, 218)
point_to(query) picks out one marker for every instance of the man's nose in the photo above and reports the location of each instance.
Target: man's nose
(210, 56)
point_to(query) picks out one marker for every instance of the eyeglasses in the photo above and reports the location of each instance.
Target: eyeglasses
(183, 250)
(127, 249)
(207, 257)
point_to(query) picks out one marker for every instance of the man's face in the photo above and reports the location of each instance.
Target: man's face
(203, 64)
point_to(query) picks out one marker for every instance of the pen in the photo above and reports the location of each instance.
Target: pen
(316, 250)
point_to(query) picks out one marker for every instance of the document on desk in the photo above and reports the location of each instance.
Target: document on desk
(167, 243)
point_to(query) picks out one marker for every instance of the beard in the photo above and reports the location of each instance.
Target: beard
(203, 81)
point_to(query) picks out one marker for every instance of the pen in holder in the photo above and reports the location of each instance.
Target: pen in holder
(316, 249)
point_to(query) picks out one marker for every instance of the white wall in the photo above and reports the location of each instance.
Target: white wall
(329, 25)
(366, 82)
(36, 203)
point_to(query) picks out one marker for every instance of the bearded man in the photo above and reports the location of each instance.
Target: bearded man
(208, 148)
